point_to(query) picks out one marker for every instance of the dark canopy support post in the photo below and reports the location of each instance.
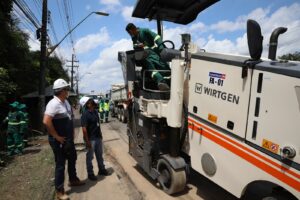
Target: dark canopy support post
(159, 28)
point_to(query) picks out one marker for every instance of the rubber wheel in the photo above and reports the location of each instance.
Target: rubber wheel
(170, 180)
(119, 114)
(277, 197)
(123, 117)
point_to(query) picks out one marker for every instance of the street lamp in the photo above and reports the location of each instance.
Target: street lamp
(51, 49)
(45, 53)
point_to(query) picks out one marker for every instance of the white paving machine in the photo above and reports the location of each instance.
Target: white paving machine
(233, 119)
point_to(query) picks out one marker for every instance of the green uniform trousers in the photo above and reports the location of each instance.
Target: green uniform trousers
(14, 143)
(153, 62)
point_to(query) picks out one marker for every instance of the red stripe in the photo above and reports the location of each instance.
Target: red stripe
(258, 163)
(249, 150)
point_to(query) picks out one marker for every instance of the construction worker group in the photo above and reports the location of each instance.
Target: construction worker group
(103, 110)
(17, 128)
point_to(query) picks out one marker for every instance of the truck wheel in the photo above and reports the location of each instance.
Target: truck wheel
(123, 117)
(119, 114)
(170, 180)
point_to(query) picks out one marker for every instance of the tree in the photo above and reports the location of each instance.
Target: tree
(19, 67)
(291, 56)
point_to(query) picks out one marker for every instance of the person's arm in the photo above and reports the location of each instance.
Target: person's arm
(86, 138)
(84, 123)
(72, 116)
(51, 130)
(155, 38)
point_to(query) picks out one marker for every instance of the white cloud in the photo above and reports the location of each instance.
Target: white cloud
(285, 16)
(225, 26)
(126, 13)
(89, 42)
(110, 2)
(199, 27)
(111, 6)
(33, 43)
(221, 46)
(106, 69)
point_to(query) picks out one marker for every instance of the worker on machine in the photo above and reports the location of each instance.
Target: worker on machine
(151, 42)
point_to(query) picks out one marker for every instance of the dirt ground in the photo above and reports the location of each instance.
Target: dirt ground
(29, 176)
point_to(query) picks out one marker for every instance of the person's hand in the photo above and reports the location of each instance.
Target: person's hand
(88, 144)
(60, 139)
(141, 45)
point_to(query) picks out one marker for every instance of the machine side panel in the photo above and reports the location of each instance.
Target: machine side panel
(274, 115)
(219, 95)
(237, 164)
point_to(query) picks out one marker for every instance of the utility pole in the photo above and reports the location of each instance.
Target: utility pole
(43, 61)
(72, 70)
(77, 87)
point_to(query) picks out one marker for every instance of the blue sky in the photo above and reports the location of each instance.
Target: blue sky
(220, 28)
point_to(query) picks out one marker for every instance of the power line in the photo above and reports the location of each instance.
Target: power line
(67, 15)
(63, 22)
(27, 12)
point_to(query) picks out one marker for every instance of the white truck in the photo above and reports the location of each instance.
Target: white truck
(118, 97)
(233, 119)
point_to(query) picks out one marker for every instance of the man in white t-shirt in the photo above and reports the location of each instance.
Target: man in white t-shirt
(58, 119)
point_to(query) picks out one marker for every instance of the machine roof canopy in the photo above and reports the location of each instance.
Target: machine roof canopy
(177, 11)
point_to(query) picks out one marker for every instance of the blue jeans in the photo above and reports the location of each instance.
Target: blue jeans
(96, 147)
(60, 160)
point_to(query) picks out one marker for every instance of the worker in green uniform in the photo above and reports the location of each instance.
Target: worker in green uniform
(14, 141)
(23, 124)
(152, 44)
(106, 109)
(101, 109)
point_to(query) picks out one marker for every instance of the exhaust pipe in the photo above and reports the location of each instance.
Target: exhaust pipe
(274, 42)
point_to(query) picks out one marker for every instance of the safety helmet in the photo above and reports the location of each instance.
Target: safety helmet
(59, 84)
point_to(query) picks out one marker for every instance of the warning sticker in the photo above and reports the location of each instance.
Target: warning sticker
(212, 118)
(270, 146)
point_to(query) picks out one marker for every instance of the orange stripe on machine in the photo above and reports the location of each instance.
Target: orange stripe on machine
(280, 175)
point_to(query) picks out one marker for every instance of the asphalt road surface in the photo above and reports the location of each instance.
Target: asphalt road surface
(198, 187)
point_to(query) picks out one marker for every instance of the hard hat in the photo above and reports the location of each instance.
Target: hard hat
(60, 83)
(84, 99)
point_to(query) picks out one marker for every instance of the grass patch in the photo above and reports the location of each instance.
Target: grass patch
(29, 176)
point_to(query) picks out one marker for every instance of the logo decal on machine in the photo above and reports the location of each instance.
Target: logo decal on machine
(198, 88)
(225, 96)
(216, 78)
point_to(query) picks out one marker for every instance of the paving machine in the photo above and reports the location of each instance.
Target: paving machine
(233, 119)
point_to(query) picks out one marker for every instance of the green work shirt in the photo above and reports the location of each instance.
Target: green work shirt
(149, 39)
(13, 122)
(23, 121)
(106, 106)
(101, 106)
